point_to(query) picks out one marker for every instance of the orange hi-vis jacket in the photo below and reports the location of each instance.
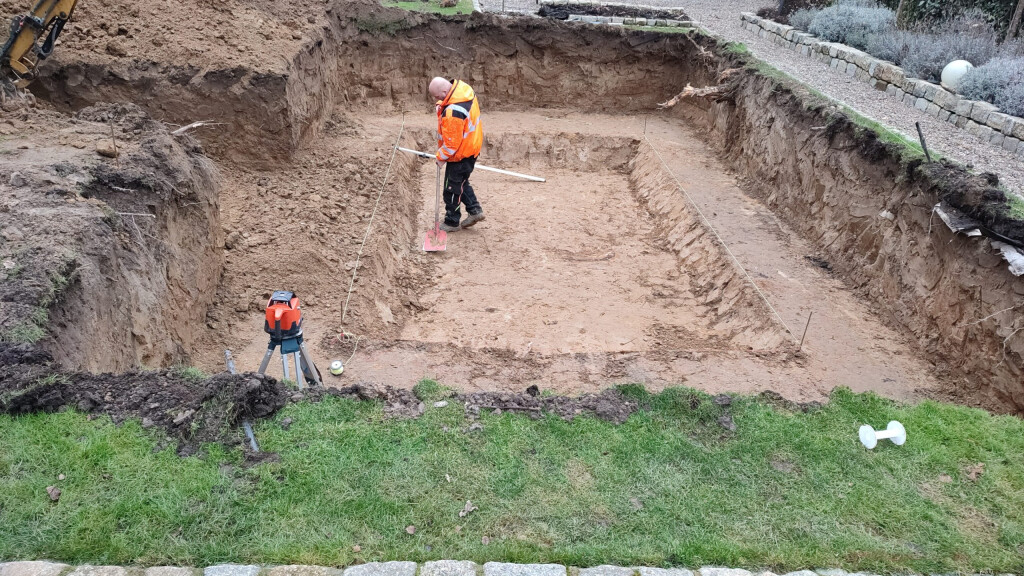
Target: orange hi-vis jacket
(459, 132)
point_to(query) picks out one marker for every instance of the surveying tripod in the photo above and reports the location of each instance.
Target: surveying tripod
(284, 324)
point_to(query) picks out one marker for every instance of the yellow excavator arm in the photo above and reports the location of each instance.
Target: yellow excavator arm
(21, 53)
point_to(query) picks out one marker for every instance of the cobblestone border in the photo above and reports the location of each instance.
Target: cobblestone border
(436, 568)
(979, 119)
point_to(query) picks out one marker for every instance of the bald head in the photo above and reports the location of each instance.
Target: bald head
(439, 88)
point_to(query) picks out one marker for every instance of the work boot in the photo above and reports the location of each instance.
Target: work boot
(448, 227)
(473, 219)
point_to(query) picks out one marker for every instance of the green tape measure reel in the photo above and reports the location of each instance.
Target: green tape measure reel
(337, 368)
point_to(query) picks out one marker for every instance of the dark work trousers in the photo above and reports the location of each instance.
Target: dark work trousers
(458, 191)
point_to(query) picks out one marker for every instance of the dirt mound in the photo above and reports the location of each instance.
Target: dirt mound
(191, 410)
(978, 196)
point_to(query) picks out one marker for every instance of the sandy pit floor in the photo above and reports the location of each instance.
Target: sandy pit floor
(580, 283)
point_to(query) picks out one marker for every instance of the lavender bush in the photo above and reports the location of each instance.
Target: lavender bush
(851, 22)
(1000, 81)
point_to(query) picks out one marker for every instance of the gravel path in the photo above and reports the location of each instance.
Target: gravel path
(723, 17)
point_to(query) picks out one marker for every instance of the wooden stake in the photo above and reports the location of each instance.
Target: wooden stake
(923, 145)
(808, 325)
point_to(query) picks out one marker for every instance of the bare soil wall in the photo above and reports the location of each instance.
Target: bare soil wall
(367, 59)
(120, 257)
(953, 293)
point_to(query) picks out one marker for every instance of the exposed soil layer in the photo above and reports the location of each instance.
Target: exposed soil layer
(111, 261)
(190, 410)
(562, 11)
(305, 142)
(953, 293)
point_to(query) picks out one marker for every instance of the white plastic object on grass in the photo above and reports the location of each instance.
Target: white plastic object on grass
(953, 72)
(337, 368)
(895, 431)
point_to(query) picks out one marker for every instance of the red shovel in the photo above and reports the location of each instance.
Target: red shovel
(436, 239)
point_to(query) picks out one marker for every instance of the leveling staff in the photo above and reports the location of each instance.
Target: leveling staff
(459, 138)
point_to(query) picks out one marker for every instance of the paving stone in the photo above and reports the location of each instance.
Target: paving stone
(170, 571)
(964, 107)
(946, 99)
(802, 573)
(232, 570)
(984, 133)
(996, 139)
(302, 570)
(505, 569)
(832, 572)
(981, 111)
(1011, 144)
(997, 121)
(449, 568)
(1014, 124)
(716, 571)
(944, 115)
(851, 69)
(383, 569)
(934, 110)
(90, 570)
(32, 568)
(909, 99)
(606, 570)
(921, 103)
(664, 572)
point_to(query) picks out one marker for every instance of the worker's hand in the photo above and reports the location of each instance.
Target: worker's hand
(440, 164)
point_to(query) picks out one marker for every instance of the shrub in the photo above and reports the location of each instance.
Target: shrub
(925, 50)
(851, 22)
(783, 11)
(1000, 82)
(801, 19)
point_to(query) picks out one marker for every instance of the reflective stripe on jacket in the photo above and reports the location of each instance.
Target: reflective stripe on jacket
(459, 132)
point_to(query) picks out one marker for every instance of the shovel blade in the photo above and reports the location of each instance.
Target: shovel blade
(435, 240)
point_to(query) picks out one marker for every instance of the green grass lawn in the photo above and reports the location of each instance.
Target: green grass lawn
(463, 7)
(787, 490)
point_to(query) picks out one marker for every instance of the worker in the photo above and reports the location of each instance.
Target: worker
(459, 138)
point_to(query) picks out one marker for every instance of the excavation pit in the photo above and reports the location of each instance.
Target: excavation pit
(667, 247)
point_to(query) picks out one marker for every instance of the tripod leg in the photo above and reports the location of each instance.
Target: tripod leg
(266, 359)
(308, 368)
(298, 371)
(284, 364)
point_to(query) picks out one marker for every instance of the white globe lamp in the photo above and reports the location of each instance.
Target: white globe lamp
(953, 72)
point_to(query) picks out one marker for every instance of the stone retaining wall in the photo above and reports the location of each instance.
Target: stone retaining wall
(623, 20)
(980, 119)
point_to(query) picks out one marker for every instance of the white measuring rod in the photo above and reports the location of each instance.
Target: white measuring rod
(480, 166)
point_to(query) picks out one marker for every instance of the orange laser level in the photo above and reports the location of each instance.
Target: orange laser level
(283, 322)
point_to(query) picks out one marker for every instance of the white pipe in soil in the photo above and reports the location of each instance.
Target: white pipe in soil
(480, 166)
